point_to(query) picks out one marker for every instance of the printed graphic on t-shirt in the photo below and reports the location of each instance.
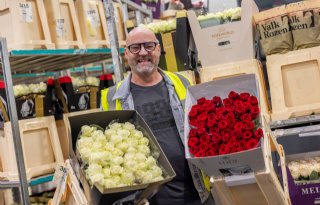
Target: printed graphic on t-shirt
(157, 114)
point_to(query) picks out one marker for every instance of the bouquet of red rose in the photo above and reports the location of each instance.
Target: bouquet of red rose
(225, 126)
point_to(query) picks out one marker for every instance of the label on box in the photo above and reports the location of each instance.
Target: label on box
(26, 12)
(60, 179)
(59, 27)
(93, 17)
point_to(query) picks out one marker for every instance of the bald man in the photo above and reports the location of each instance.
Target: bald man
(158, 96)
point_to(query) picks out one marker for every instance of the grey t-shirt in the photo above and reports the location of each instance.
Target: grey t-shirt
(153, 104)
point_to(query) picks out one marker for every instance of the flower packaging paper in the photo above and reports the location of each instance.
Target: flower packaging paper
(239, 161)
(98, 194)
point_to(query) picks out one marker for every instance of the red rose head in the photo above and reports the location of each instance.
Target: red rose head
(193, 142)
(233, 95)
(244, 96)
(253, 100)
(258, 133)
(251, 143)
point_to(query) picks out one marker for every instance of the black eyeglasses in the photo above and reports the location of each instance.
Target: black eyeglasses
(148, 46)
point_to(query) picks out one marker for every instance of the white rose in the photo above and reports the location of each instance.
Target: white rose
(98, 177)
(116, 169)
(128, 126)
(93, 169)
(117, 152)
(127, 178)
(130, 165)
(123, 133)
(129, 156)
(123, 146)
(137, 134)
(132, 150)
(156, 171)
(98, 157)
(115, 126)
(140, 157)
(142, 166)
(144, 149)
(109, 183)
(109, 147)
(116, 139)
(151, 161)
(106, 172)
(147, 177)
(116, 160)
(108, 133)
(304, 170)
(85, 153)
(144, 141)
(132, 142)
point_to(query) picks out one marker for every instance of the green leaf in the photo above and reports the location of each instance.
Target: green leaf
(314, 175)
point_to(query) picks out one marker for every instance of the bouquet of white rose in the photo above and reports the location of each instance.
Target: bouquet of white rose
(118, 156)
(212, 19)
(78, 82)
(305, 169)
(24, 89)
(161, 26)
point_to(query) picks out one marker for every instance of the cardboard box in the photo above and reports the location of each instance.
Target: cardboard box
(96, 194)
(215, 166)
(84, 98)
(227, 42)
(29, 106)
(299, 143)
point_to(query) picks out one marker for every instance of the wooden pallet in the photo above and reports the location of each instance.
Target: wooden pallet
(24, 24)
(63, 23)
(40, 144)
(296, 122)
(225, 43)
(294, 78)
(239, 68)
(264, 189)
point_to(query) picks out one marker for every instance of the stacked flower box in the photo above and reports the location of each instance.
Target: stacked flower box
(231, 142)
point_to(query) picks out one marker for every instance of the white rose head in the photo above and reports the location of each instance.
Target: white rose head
(116, 139)
(129, 156)
(109, 147)
(123, 146)
(144, 149)
(130, 165)
(304, 170)
(128, 126)
(116, 160)
(123, 133)
(116, 169)
(108, 133)
(109, 183)
(137, 134)
(151, 161)
(140, 157)
(98, 157)
(96, 178)
(132, 142)
(85, 153)
(94, 168)
(115, 126)
(117, 152)
(142, 166)
(128, 178)
(144, 141)
(147, 177)
(156, 171)
(132, 150)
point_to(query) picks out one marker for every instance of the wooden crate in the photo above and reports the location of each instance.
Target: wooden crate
(294, 80)
(63, 23)
(239, 68)
(40, 144)
(266, 188)
(24, 24)
(228, 42)
(73, 194)
(121, 31)
(63, 127)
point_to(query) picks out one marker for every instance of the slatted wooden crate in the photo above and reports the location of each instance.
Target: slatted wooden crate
(40, 144)
(73, 194)
(63, 23)
(264, 189)
(24, 24)
(63, 126)
(294, 80)
(239, 68)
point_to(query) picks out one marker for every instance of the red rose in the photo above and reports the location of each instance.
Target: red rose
(253, 100)
(231, 108)
(240, 110)
(215, 138)
(193, 133)
(239, 126)
(237, 134)
(221, 110)
(230, 116)
(244, 96)
(227, 102)
(213, 146)
(232, 141)
(233, 95)
(205, 139)
(223, 124)
(238, 103)
(193, 122)
(224, 149)
(247, 135)
(255, 111)
(202, 117)
(217, 101)
(203, 146)
(201, 153)
(211, 123)
(247, 106)
(251, 143)
(193, 141)
(211, 152)
(248, 125)
(225, 137)
(194, 150)
(201, 132)
(202, 125)
(245, 117)
(258, 133)
(193, 112)
(201, 101)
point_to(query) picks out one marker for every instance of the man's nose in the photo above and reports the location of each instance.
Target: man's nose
(143, 51)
